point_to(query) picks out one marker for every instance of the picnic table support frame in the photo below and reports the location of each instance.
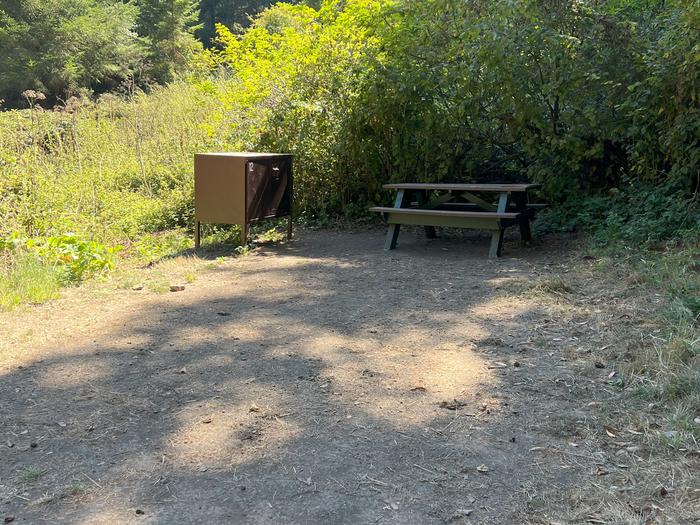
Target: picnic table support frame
(430, 232)
(521, 202)
(393, 234)
(497, 235)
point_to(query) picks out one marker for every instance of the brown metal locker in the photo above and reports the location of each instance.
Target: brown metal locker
(241, 188)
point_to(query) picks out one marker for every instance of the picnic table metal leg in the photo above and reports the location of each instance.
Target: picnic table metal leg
(429, 230)
(392, 234)
(525, 233)
(497, 235)
(524, 221)
(496, 243)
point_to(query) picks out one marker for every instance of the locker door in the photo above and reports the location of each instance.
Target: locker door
(268, 189)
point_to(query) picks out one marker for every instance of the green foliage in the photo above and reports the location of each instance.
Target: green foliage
(74, 258)
(109, 171)
(155, 246)
(633, 215)
(663, 106)
(366, 92)
(78, 258)
(167, 27)
(230, 13)
(64, 47)
(33, 270)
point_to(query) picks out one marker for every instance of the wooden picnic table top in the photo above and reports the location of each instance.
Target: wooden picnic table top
(499, 188)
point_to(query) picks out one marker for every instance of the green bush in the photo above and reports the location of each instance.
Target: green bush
(577, 96)
(77, 258)
(72, 258)
(636, 214)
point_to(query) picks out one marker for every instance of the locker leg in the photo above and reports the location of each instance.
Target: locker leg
(244, 235)
(197, 233)
(289, 228)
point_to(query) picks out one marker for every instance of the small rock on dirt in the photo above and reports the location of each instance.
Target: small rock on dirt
(177, 288)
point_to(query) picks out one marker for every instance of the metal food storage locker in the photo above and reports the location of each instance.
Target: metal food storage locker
(240, 188)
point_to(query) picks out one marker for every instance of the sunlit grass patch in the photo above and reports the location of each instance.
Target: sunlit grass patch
(32, 474)
(28, 280)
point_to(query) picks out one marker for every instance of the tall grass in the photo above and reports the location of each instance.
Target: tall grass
(28, 280)
(111, 172)
(107, 171)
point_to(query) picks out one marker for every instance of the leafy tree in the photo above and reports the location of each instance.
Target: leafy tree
(230, 13)
(234, 14)
(62, 47)
(167, 26)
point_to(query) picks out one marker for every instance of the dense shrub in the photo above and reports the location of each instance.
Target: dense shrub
(635, 215)
(579, 97)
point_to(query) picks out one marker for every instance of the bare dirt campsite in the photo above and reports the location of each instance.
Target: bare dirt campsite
(325, 380)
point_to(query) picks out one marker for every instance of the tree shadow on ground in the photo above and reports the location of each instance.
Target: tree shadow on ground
(323, 381)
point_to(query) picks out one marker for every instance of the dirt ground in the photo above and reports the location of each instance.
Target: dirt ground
(318, 381)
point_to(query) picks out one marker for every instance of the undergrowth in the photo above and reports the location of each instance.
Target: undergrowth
(32, 270)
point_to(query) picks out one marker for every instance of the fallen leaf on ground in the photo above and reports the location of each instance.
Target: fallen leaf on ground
(611, 431)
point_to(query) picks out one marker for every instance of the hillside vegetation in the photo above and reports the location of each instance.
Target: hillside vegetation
(597, 101)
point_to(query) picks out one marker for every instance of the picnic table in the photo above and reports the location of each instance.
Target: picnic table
(479, 206)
